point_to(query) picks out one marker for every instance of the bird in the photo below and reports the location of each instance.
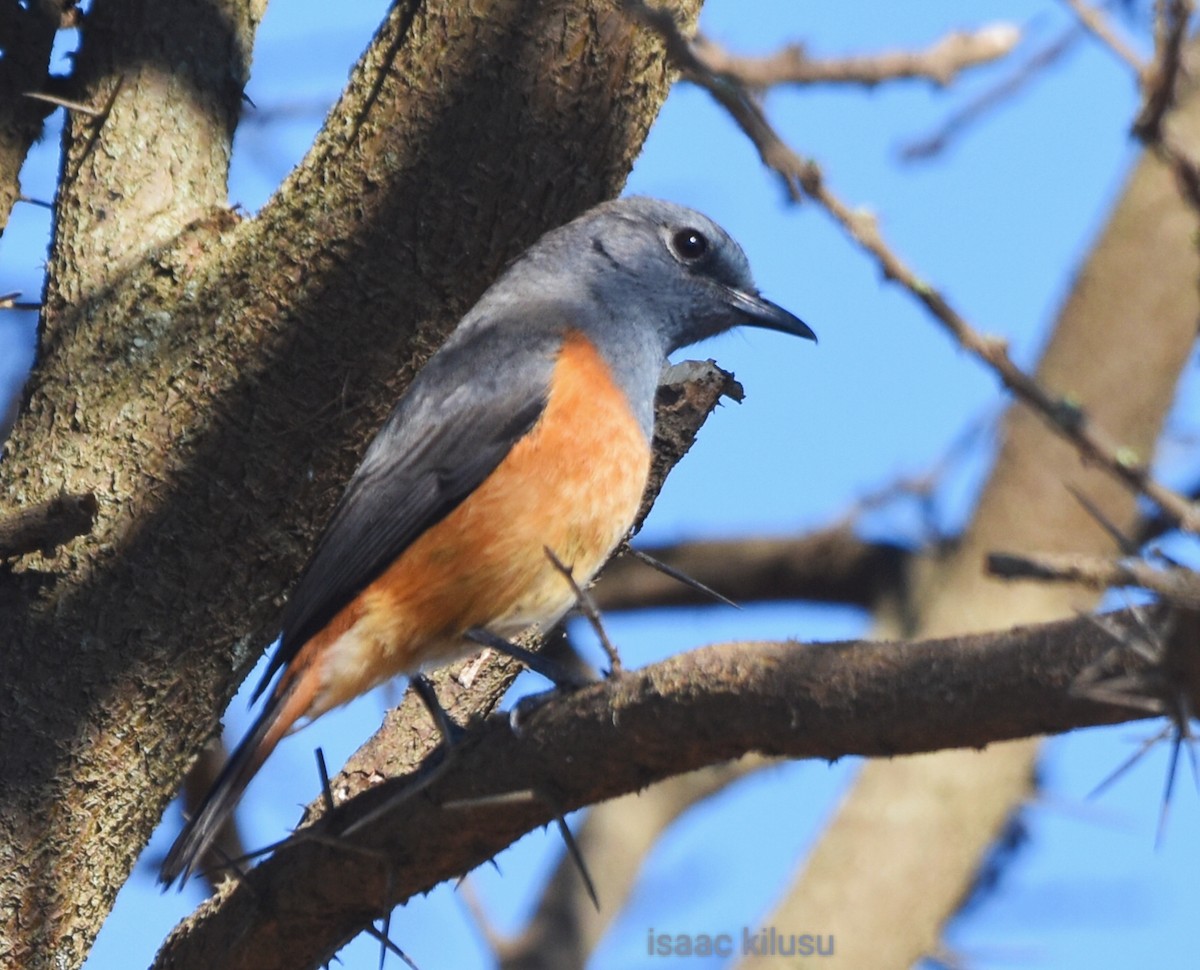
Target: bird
(525, 438)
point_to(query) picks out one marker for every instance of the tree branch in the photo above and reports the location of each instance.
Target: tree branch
(692, 710)
(1175, 585)
(940, 63)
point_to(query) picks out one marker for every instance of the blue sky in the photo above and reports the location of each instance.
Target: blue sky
(999, 222)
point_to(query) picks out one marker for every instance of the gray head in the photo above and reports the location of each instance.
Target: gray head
(680, 274)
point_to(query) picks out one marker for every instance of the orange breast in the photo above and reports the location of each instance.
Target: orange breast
(573, 483)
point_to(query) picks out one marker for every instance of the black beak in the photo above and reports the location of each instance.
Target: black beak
(770, 316)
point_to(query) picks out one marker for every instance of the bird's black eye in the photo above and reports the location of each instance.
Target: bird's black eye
(689, 244)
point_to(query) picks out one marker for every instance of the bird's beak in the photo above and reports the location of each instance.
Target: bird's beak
(770, 316)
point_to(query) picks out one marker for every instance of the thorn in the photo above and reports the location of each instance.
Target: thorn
(1127, 546)
(323, 774)
(1169, 790)
(229, 866)
(1129, 762)
(419, 782)
(568, 838)
(77, 106)
(519, 797)
(386, 945)
(680, 576)
(588, 606)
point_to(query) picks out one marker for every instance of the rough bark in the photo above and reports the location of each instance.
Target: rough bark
(211, 380)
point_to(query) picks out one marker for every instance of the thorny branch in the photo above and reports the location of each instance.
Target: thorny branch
(823, 700)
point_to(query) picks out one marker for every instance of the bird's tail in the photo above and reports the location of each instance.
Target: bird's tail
(283, 709)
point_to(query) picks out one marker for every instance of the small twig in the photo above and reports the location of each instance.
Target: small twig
(1066, 417)
(77, 106)
(99, 117)
(1097, 23)
(775, 154)
(42, 203)
(1127, 546)
(1031, 68)
(9, 301)
(1178, 586)
(46, 526)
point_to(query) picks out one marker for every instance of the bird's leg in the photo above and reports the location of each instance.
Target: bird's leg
(563, 677)
(557, 673)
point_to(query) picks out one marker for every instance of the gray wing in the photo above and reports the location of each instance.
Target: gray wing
(458, 419)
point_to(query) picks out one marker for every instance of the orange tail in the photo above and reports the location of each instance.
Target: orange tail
(283, 709)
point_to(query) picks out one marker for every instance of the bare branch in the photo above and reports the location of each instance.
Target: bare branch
(1064, 415)
(940, 63)
(1098, 24)
(1179, 586)
(775, 154)
(695, 709)
(60, 102)
(1032, 67)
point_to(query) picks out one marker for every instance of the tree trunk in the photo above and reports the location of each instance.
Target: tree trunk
(211, 379)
